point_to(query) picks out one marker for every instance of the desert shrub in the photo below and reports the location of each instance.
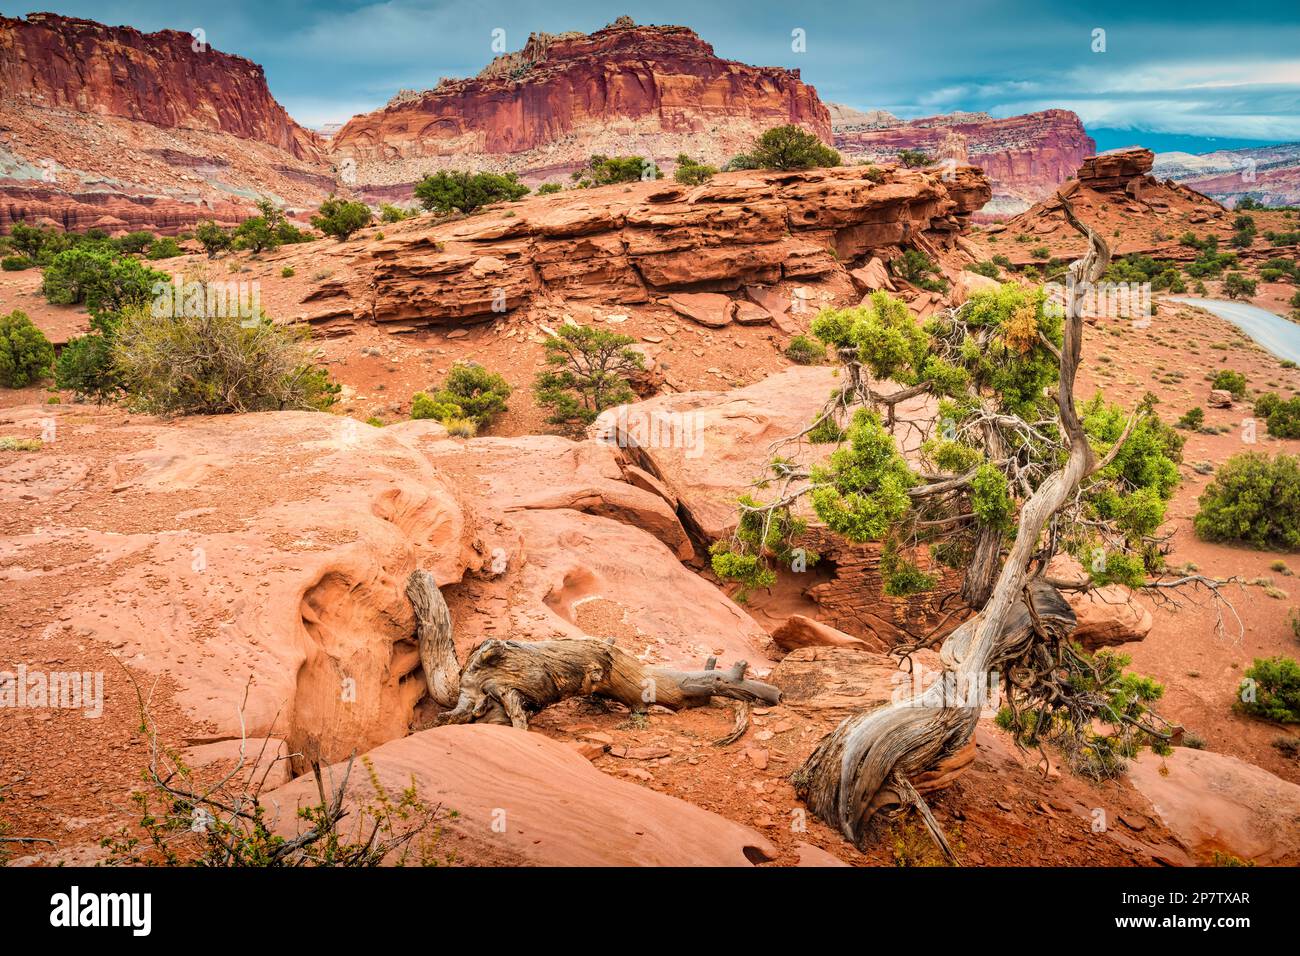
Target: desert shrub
(602, 170)
(1230, 381)
(255, 234)
(390, 213)
(104, 281)
(1271, 690)
(340, 218)
(789, 147)
(424, 407)
(1255, 499)
(914, 158)
(470, 392)
(15, 263)
(803, 350)
(547, 189)
(740, 161)
(287, 272)
(1237, 286)
(449, 191)
(987, 269)
(212, 238)
(588, 373)
(460, 427)
(1282, 416)
(163, 247)
(134, 243)
(85, 366)
(25, 353)
(691, 173)
(1041, 252)
(1192, 419)
(28, 241)
(213, 364)
(917, 268)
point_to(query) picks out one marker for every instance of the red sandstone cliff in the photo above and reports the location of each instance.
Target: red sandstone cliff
(1026, 157)
(626, 89)
(159, 78)
(111, 128)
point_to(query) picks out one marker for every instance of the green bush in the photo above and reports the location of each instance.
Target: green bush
(208, 364)
(472, 392)
(134, 243)
(691, 173)
(804, 350)
(914, 158)
(445, 192)
(106, 282)
(589, 373)
(917, 268)
(1192, 419)
(164, 247)
(255, 234)
(212, 238)
(1282, 416)
(85, 367)
(547, 189)
(789, 147)
(1230, 381)
(1041, 252)
(1271, 690)
(1254, 499)
(602, 170)
(424, 406)
(390, 213)
(1237, 286)
(25, 353)
(15, 263)
(987, 269)
(340, 218)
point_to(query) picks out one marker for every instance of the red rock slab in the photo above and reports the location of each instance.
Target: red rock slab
(523, 799)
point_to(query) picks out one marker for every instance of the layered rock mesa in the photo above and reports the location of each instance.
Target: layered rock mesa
(1026, 157)
(627, 89)
(1268, 174)
(1116, 194)
(632, 244)
(117, 129)
(169, 79)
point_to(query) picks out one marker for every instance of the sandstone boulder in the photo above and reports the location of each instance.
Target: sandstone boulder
(706, 308)
(1214, 802)
(556, 808)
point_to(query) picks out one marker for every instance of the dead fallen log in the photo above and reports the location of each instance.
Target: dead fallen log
(507, 682)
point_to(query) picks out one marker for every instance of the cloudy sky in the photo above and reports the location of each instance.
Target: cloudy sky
(1185, 74)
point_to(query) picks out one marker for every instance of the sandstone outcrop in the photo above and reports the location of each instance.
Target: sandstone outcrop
(169, 79)
(631, 244)
(1216, 803)
(175, 551)
(558, 810)
(1025, 157)
(111, 128)
(1115, 194)
(652, 91)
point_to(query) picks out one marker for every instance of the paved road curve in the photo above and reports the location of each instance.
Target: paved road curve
(1275, 333)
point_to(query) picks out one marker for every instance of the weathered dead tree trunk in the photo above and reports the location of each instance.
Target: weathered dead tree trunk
(506, 682)
(866, 763)
(433, 632)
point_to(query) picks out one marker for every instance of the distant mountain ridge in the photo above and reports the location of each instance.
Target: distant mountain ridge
(1269, 174)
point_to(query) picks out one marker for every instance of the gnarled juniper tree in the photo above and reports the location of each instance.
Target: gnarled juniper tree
(1004, 472)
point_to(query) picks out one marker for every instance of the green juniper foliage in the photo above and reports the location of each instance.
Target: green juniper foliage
(589, 370)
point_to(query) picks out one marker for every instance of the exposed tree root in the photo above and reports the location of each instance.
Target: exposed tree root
(506, 682)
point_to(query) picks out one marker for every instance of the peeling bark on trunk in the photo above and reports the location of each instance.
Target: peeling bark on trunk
(433, 632)
(506, 682)
(862, 766)
(509, 681)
